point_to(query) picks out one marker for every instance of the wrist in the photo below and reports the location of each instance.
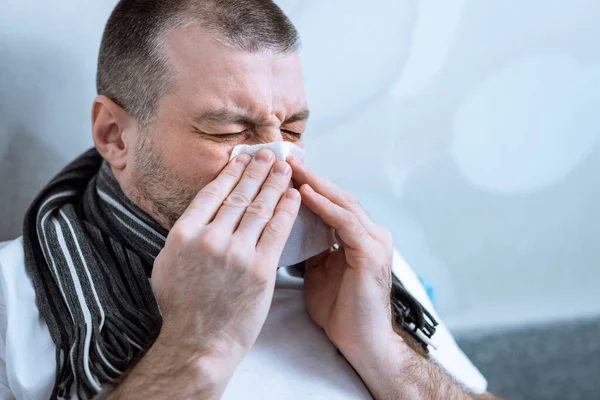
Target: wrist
(187, 339)
(378, 356)
(205, 369)
(392, 369)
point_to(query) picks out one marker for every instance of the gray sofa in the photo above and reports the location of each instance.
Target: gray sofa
(559, 361)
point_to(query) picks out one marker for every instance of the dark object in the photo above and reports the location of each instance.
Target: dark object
(559, 361)
(410, 315)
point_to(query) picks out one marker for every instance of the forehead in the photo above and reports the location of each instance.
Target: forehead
(208, 73)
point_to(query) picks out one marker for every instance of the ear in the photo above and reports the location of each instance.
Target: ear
(112, 129)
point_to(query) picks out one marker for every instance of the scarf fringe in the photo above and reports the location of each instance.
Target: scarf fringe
(410, 315)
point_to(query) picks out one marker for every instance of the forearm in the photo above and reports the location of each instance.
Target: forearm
(420, 378)
(435, 383)
(165, 372)
(397, 370)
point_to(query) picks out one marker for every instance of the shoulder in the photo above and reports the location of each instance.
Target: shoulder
(448, 355)
(28, 350)
(12, 252)
(12, 266)
(16, 288)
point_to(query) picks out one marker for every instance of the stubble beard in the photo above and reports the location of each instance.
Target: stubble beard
(157, 191)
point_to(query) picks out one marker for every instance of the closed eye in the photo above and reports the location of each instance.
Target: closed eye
(230, 135)
(296, 135)
(223, 136)
(238, 135)
(226, 136)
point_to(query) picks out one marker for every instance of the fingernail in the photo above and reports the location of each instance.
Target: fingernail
(243, 159)
(309, 189)
(281, 168)
(292, 194)
(263, 156)
(297, 161)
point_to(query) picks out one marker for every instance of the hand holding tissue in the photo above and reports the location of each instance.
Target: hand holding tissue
(310, 236)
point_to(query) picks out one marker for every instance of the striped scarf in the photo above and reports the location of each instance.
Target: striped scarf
(89, 252)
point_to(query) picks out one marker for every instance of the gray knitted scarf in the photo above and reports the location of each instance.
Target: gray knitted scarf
(89, 252)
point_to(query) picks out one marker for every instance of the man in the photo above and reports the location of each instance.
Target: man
(180, 84)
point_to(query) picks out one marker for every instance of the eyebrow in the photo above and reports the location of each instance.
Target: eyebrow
(228, 116)
(299, 116)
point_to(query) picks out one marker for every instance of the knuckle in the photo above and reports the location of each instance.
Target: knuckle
(276, 228)
(236, 256)
(349, 200)
(210, 241)
(231, 173)
(182, 234)
(259, 209)
(345, 220)
(255, 174)
(289, 209)
(355, 207)
(360, 230)
(352, 222)
(260, 276)
(328, 204)
(349, 220)
(276, 185)
(237, 199)
(211, 191)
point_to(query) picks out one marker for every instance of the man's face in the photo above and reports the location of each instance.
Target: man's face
(221, 97)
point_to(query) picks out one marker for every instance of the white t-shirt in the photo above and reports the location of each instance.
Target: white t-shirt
(292, 358)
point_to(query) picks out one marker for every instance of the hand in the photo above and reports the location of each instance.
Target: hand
(215, 277)
(347, 291)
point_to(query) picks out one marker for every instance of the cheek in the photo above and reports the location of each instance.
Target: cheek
(191, 161)
(195, 164)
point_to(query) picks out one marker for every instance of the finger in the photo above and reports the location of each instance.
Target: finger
(262, 209)
(347, 226)
(278, 229)
(209, 199)
(304, 175)
(234, 206)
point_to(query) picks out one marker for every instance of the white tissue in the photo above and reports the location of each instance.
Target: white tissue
(310, 236)
(281, 149)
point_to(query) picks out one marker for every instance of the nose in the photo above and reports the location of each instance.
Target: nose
(268, 135)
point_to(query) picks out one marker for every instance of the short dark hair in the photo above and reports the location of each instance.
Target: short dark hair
(132, 69)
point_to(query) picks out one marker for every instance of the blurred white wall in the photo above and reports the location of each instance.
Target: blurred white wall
(469, 128)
